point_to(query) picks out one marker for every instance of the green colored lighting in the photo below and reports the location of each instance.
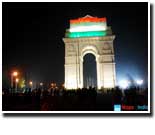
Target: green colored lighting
(86, 34)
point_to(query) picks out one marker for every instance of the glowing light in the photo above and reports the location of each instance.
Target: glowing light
(52, 84)
(88, 19)
(139, 82)
(108, 85)
(63, 85)
(22, 83)
(87, 26)
(71, 84)
(101, 27)
(17, 80)
(15, 73)
(30, 82)
(124, 84)
(86, 34)
(41, 84)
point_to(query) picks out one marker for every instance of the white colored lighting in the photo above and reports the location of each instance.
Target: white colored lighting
(124, 84)
(17, 80)
(71, 83)
(108, 85)
(41, 84)
(88, 28)
(139, 82)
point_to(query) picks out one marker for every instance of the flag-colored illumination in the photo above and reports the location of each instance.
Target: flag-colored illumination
(86, 34)
(87, 24)
(88, 28)
(88, 19)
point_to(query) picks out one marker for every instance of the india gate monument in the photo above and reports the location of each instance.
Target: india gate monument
(89, 35)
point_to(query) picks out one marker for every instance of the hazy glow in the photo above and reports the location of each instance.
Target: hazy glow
(88, 24)
(108, 85)
(88, 28)
(87, 34)
(17, 80)
(30, 82)
(124, 84)
(15, 73)
(71, 84)
(139, 82)
(41, 84)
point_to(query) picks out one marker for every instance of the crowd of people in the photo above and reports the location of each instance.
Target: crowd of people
(85, 99)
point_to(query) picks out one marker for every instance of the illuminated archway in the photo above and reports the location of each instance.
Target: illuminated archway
(89, 71)
(89, 49)
(98, 43)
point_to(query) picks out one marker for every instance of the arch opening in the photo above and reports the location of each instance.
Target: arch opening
(89, 70)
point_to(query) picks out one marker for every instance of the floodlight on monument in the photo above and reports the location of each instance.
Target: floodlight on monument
(101, 27)
(124, 84)
(71, 84)
(139, 82)
(96, 31)
(87, 26)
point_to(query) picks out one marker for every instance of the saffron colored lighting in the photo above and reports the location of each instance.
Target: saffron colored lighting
(87, 27)
(88, 19)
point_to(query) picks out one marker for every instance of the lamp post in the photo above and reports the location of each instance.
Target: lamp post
(14, 74)
(31, 84)
(17, 80)
(52, 84)
(41, 85)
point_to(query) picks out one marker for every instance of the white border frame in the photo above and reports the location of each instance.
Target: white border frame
(103, 112)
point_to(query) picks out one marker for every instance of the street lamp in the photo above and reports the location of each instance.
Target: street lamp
(52, 84)
(14, 74)
(17, 80)
(31, 83)
(41, 84)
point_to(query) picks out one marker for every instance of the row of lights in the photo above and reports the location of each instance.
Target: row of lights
(125, 83)
(15, 74)
(14, 78)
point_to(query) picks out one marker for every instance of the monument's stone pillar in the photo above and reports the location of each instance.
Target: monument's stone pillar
(89, 35)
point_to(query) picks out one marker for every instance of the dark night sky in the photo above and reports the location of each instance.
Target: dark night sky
(32, 37)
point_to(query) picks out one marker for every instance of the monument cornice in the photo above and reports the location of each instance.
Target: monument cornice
(89, 39)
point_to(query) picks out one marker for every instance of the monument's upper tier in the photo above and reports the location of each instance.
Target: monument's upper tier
(87, 26)
(87, 19)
